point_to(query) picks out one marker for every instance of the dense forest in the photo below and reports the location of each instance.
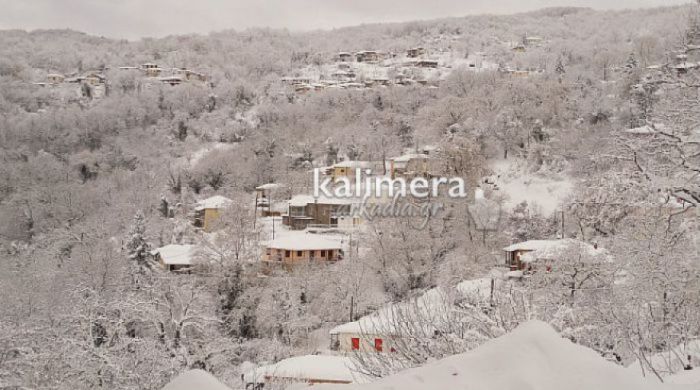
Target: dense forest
(90, 184)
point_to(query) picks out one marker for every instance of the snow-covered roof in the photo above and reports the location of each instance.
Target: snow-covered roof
(175, 254)
(269, 186)
(309, 367)
(304, 241)
(554, 249)
(641, 130)
(386, 320)
(533, 356)
(686, 65)
(215, 202)
(303, 200)
(353, 164)
(195, 379)
(410, 156)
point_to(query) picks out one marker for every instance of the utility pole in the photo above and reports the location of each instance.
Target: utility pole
(352, 308)
(562, 223)
(255, 210)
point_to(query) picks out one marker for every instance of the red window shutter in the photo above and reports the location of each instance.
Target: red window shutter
(355, 343)
(378, 345)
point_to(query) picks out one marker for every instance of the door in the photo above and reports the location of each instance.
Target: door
(378, 345)
(355, 343)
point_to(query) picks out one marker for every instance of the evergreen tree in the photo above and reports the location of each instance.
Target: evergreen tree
(559, 69)
(164, 207)
(137, 246)
(631, 61)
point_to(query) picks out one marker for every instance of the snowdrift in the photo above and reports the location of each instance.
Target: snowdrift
(532, 357)
(195, 380)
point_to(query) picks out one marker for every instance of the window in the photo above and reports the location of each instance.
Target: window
(287, 253)
(355, 343)
(299, 253)
(323, 253)
(378, 345)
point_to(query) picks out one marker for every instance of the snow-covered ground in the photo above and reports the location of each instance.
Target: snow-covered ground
(533, 356)
(198, 155)
(195, 380)
(544, 193)
(309, 367)
(672, 363)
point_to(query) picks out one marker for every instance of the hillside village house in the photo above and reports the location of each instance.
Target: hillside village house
(427, 64)
(94, 79)
(265, 197)
(544, 254)
(298, 248)
(349, 168)
(296, 80)
(151, 70)
(410, 165)
(174, 257)
(305, 210)
(303, 88)
(344, 56)
(367, 56)
(189, 75)
(343, 75)
(378, 81)
(55, 78)
(415, 52)
(265, 192)
(370, 333)
(171, 80)
(207, 212)
(382, 331)
(532, 41)
(308, 370)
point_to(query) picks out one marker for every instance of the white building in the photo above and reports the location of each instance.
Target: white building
(308, 369)
(174, 257)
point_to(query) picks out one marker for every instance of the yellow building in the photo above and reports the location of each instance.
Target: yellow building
(300, 248)
(55, 78)
(410, 165)
(151, 70)
(349, 168)
(208, 212)
(94, 79)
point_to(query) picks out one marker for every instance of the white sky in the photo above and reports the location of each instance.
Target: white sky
(134, 19)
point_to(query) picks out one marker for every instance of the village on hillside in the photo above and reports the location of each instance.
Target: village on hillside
(479, 202)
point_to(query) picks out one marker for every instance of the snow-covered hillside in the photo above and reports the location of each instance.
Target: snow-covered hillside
(533, 356)
(544, 193)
